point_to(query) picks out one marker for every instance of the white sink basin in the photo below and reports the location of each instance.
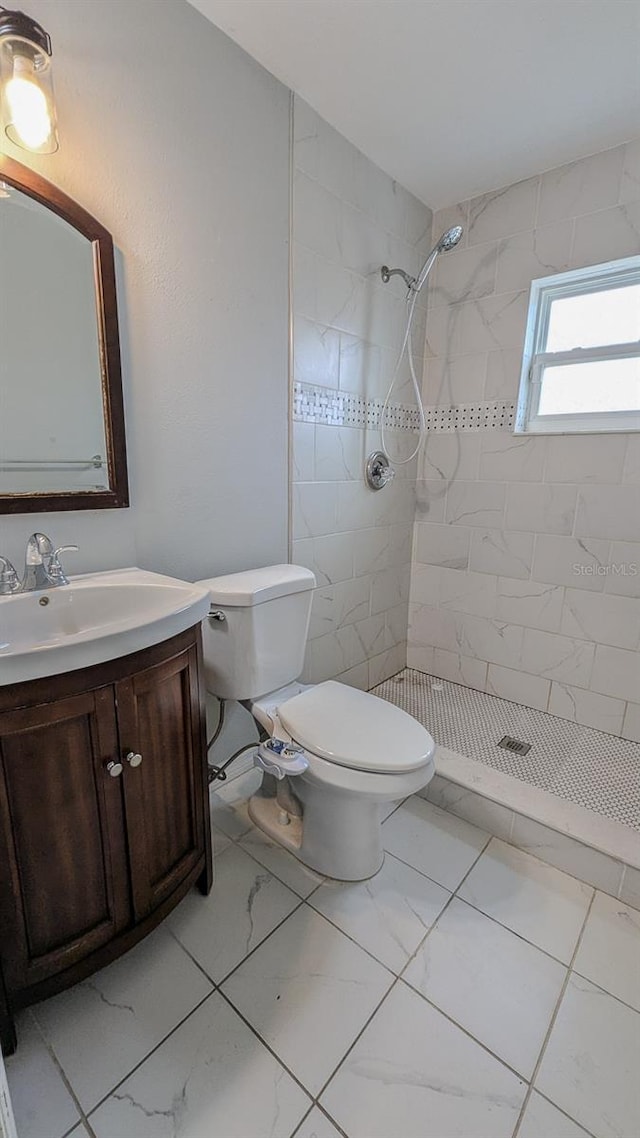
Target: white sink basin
(96, 617)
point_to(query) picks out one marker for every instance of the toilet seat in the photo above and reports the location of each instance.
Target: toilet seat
(354, 729)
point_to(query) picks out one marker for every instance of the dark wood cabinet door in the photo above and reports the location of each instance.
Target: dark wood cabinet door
(160, 718)
(63, 866)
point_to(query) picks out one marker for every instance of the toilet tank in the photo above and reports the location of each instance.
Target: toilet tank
(258, 642)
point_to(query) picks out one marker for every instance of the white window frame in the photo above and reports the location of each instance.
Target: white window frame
(594, 278)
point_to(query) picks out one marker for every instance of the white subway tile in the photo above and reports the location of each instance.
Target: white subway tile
(387, 664)
(317, 217)
(631, 725)
(566, 854)
(329, 557)
(570, 561)
(314, 508)
(631, 472)
(557, 657)
(603, 618)
(503, 373)
(532, 691)
(430, 500)
(623, 569)
(451, 456)
(530, 603)
(458, 380)
(490, 640)
(607, 235)
(467, 804)
(500, 552)
(397, 622)
(469, 274)
(303, 452)
(337, 605)
(541, 508)
(339, 453)
(608, 511)
(616, 672)
(443, 545)
(315, 353)
(508, 458)
(360, 367)
(502, 212)
(533, 253)
(630, 188)
(420, 657)
(467, 592)
(475, 503)
(588, 707)
(389, 588)
(585, 458)
(581, 187)
(459, 669)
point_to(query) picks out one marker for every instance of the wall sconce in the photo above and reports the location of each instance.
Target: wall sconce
(27, 106)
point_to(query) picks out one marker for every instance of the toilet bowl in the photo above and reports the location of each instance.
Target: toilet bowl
(352, 752)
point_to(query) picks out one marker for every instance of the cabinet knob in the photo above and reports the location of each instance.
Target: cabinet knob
(114, 769)
(133, 759)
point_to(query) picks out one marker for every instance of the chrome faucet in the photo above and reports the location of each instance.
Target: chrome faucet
(42, 566)
(9, 582)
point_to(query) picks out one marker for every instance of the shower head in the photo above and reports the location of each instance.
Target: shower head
(450, 239)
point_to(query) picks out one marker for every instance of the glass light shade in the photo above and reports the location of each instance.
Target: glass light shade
(27, 105)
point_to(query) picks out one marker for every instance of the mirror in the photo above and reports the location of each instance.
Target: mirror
(62, 442)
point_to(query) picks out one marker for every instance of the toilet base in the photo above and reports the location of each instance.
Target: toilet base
(339, 836)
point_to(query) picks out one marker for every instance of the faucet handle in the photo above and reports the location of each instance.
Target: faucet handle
(9, 582)
(54, 567)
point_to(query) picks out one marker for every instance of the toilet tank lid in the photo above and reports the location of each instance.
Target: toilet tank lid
(255, 586)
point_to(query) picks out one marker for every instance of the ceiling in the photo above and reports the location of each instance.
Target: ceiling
(454, 97)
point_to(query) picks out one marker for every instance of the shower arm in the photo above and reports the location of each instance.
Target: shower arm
(386, 273)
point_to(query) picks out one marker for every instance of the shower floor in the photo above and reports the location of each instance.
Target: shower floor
(589, 768)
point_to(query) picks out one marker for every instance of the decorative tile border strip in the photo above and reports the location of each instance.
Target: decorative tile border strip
(326, 405)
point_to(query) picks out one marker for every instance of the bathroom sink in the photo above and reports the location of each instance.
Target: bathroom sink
(96, 617)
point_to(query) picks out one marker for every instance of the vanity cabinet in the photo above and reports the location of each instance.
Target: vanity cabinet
(104, 814)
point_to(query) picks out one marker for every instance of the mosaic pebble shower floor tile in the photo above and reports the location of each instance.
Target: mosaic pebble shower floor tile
(590, 768)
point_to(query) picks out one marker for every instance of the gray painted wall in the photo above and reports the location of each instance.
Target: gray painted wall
(178, 142)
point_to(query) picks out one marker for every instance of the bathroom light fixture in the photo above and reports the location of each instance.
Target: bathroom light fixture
(27, 106)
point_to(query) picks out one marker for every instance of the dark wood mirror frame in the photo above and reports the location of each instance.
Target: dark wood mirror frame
(117, 496)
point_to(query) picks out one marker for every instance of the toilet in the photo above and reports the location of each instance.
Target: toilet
(332, 755)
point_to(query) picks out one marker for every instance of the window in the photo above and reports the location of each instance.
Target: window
(581, 363)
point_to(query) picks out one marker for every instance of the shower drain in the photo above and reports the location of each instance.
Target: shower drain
(515, 745)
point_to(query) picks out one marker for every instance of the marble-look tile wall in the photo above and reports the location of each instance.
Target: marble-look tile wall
(349, 218)
(526, 573)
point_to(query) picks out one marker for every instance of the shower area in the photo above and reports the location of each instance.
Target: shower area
(474, 589)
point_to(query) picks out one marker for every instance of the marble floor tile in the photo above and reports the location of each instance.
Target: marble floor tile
(436, 843)
(244, 906)
(490, 981)
(219, 840)
(213, 1076)
(389, 914)
(79, 1132)
(609, 952)
(42, 1105)
(590, 1066)
(228, 801)
(308, 991)
(543, 1120)
(540, 903)
(104, 1026)
(317, 1125)
(280, 862)
(410, 1065)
